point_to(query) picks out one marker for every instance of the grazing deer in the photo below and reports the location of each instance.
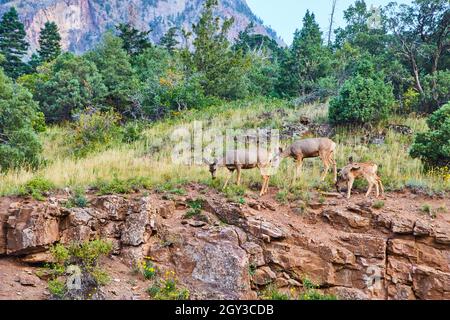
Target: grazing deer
(354, 170)
(313, 148)
(238, 160)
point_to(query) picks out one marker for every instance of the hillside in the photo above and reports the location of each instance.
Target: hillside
(82, 22)
(295, 235)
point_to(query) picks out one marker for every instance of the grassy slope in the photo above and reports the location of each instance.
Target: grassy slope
(150, 158)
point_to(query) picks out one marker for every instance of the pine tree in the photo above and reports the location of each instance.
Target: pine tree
(118, 74)
(169, 40)
(307, 58)
(224, 70)
(134, 41)
(49, 42)
(13, 45)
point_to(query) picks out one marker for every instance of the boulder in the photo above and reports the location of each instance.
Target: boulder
(263, 276)
(347, 220)
(402, 225)
(258, 228)
(430, 284)
(30, 229)
(138, 224)
(442, 233)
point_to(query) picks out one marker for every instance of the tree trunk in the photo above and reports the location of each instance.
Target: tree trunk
(330, 30)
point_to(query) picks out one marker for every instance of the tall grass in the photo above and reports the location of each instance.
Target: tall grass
(150, 157)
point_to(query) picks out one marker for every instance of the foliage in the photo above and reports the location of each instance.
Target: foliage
(94, 130)
(119, 77)
(36, 188)
(118, 186)
(20, 122)
(134, 42)
(77, 200)
(167, 288)
(433, 146)
(362, 100)
(169, 40)
(49, 42)
(73, 84)
(13, 45)
(223, 69)
(307, 59)
(81, 260)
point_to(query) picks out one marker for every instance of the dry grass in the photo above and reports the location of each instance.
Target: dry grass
(150, 158)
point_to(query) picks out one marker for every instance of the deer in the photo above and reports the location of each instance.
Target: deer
(243, 159)
(313, 148)
(367, 170)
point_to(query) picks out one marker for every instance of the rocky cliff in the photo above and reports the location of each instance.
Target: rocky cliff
(82, 22)
(233, 251)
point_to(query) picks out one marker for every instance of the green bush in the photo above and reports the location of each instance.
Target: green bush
(438, 95)
(120, 186)
(36, 187)
(433, 146)
(85, 258)
(94, 131)
(20, 121)
(362, 101)
(77, 200)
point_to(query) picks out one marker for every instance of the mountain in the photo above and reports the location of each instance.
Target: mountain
(82, 22)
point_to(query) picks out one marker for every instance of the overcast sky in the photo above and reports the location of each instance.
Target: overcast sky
(284, 16)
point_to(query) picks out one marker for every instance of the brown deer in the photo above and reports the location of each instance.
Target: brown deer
(238, 160)
(313, 148)
(367, 170)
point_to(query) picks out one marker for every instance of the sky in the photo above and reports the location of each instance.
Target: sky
(284, 16)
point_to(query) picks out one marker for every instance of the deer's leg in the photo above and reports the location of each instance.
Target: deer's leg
(326, 163)
(371, 183)
(267, 185)
(381, 186)
(229, 178)
(263, 186)
(333, 161)
(298, 168)
(239, 175)
(350, 187)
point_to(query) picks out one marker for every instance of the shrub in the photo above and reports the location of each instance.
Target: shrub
(433, 146)
(36, 187)
(77, 200)
(438, 94)
(362, 100)
(77, 260)
(94, 131)
(119, 186)
(168, 289)
(73, 84)
(20, 121)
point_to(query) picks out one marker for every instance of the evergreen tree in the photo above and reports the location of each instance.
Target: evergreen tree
(34, 63)
(49, 42)
(13, 45)
(20, 121)
(134, 41)
(307, 59)
(169, 40)
(118, 75)
(223, 68)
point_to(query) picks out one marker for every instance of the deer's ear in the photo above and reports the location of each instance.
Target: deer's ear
(205, 161)
(350, 160)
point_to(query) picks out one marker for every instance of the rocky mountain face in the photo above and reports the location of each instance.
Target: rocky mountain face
(232, 251)
(82, 22)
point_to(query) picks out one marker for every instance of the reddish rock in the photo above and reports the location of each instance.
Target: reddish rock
(401, 225)
(430, 284)
(30, 229)
(347, 220)
(263, 276)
